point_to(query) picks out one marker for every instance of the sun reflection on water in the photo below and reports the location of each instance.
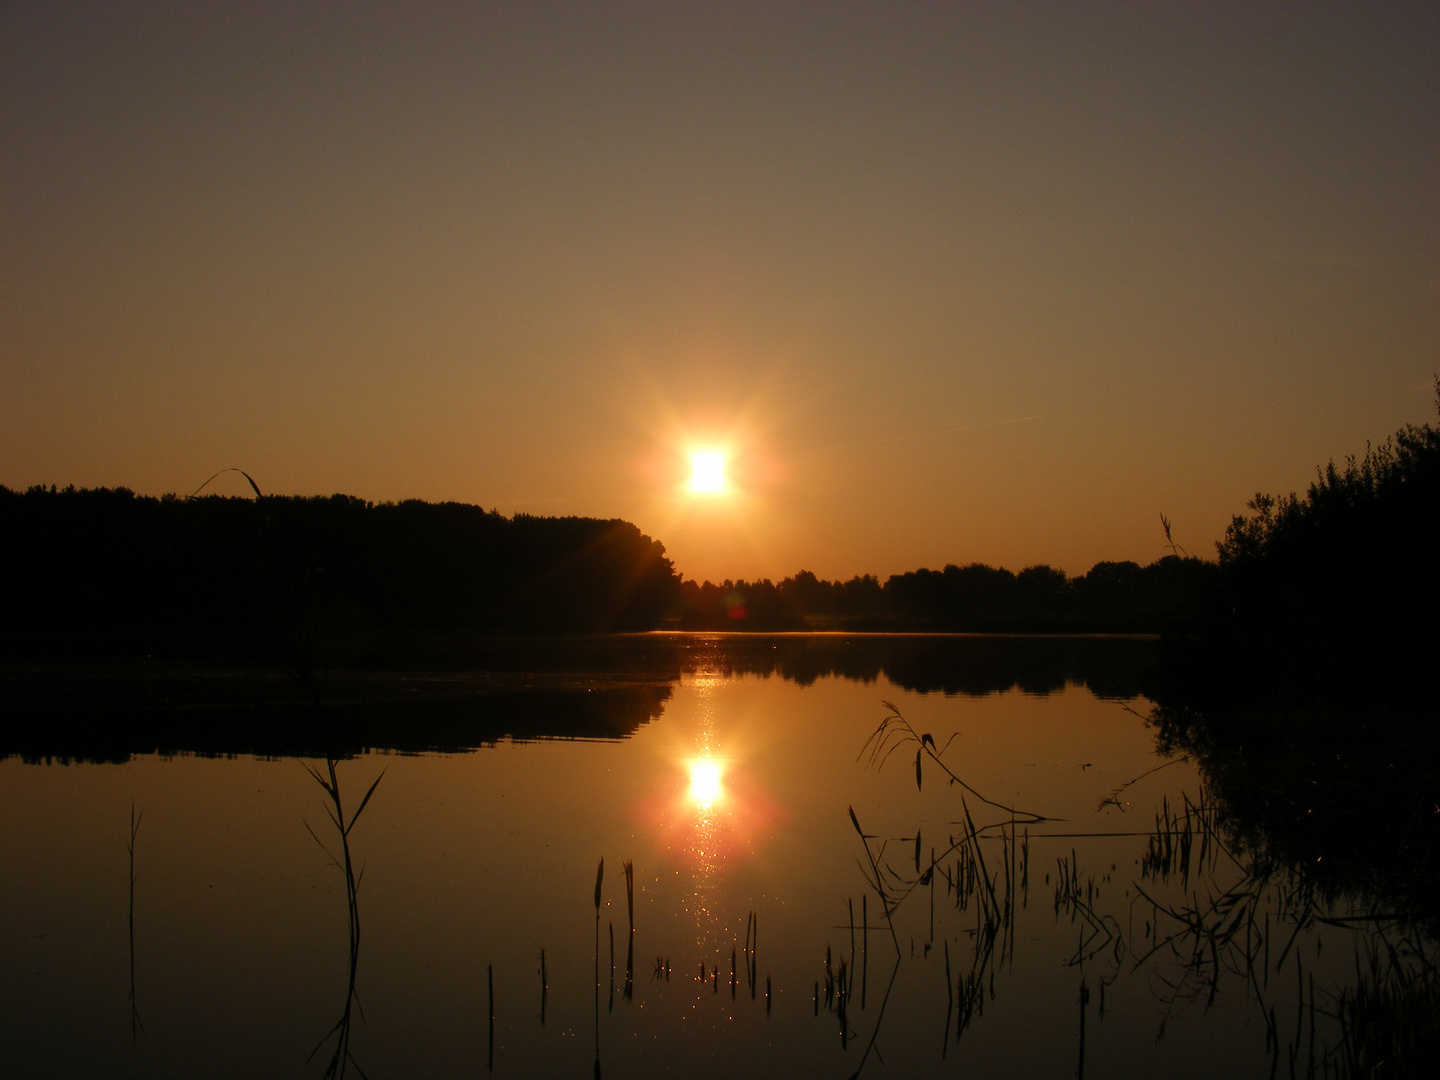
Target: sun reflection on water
(710, 813)
(705, 782)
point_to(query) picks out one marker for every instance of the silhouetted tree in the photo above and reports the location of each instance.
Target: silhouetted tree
(1336, 593)
(336, 570)
(1113, 597)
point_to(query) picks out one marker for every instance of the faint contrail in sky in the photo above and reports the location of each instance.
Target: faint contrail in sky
(946, 431)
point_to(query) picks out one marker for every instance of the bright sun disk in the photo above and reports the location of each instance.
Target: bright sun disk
(707, 472)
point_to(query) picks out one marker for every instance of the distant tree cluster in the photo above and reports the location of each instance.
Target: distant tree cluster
(802, 602)
(329, 570)
(1114, 597)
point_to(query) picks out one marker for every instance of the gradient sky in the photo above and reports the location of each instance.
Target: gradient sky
(996, 282)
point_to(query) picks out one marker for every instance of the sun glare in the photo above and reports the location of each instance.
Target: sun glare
(707, 472)
(705, 782)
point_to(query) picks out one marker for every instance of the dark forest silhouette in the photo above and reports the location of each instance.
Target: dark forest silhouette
(334, 574)
(337, 581)
(1331, 596)
(1113, 597)
(1341, 582)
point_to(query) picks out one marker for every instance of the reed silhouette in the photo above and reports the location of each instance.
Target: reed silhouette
(1295, 805)
(341, 1057)
(629, 987)
(599, 881)
(136, 1024)
(1228, 884)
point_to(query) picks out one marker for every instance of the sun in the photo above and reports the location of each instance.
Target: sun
(707, 473)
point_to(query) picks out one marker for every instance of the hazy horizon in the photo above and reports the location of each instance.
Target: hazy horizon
(995, 283)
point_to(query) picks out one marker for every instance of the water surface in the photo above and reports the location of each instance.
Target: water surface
(1037, 926)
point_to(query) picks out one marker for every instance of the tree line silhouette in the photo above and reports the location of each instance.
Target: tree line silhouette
(1113, 597)
(336, 572)
(332, 579)
(1332, 595)
(1331, 589)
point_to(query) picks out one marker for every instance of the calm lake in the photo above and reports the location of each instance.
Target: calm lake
(168, 906)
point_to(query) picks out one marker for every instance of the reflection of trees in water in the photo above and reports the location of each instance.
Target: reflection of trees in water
(1228, 898)
(457, 694)
(410, 714)
(1251, 919)
(973, 665)
(1323, 819)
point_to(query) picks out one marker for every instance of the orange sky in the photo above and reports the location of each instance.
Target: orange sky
(956, 282)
